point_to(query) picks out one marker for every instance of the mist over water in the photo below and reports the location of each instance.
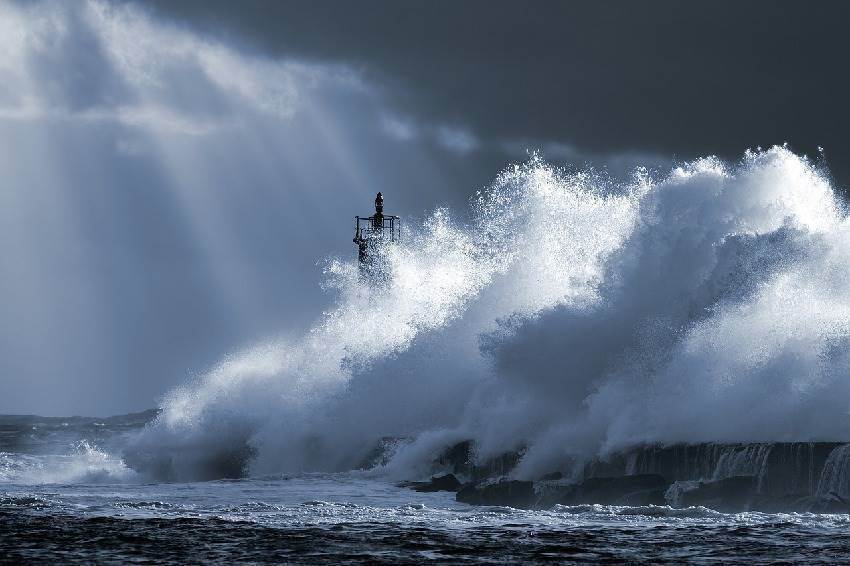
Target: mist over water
(574, 315)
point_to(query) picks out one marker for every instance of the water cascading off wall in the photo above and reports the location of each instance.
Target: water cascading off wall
(573, 315)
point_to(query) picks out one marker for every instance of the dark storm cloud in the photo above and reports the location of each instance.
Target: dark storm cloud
(669, 77)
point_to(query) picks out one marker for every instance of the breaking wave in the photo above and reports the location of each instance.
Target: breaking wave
(85, 463)
(572, 315)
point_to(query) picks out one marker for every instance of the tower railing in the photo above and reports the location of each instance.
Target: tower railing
(370, 232)
(386, 226)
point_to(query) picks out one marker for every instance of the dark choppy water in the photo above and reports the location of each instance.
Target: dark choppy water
(67, 538)
(64, 498)
(386, 525)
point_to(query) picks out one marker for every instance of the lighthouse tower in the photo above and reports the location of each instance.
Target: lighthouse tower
(370, 232)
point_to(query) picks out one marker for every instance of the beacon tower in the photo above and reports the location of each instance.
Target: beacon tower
(371, 232)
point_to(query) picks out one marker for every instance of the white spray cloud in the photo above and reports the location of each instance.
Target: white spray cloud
(573, 317)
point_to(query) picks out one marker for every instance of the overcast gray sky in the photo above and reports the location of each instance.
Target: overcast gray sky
(174, 173)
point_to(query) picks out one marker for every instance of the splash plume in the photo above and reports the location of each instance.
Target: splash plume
(573, 315)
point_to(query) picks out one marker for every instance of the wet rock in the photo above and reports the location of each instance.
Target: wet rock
(382, 452)
(508, 493)
(447, 482)
(498, 466)
(552, 476)
(457, 458)
(802, 504)
(729, 495)
(643, 498)
(783, 467)
(646, 489)
(642, 489)
(791, 476)
(824, 504)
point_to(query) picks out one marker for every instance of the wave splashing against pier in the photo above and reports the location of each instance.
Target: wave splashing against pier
(573, 315)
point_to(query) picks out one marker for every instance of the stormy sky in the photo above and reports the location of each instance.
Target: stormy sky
(175, 173)
(669, 78)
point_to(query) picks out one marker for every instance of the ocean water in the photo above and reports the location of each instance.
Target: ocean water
(65, 499)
